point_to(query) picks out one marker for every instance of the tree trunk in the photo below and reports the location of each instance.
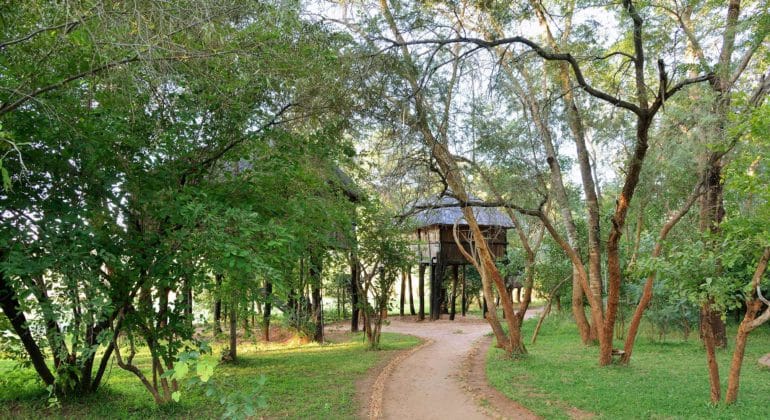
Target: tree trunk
(614, 269)
(268, 309)
(450, 170)
(711, 215)
(318, 315)
(588, 333)
(354, 286)
(233, 328)
(403, 294)
(733, 379)
(218, 305)
(545, 313)
(316, 268)
(749, 323)
(187, 301)
(11, 308)
(709, 342)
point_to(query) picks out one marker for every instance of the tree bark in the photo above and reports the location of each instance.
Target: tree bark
(749, 323)
(12, 309)
(187, 301)
(316, 268)
(711, 358)
(403, 293)
(577, 129)
(354, 286)
(218, 305)
(267, 311)
(741, 337)
(233, 328)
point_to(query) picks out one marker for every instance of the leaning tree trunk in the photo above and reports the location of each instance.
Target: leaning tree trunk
(11, 307)
(741, 337)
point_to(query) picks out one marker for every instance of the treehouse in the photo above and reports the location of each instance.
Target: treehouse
(436, 248)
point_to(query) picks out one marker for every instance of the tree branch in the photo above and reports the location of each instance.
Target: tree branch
(68, 26)
(542, 52)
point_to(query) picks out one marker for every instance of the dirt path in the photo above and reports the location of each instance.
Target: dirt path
(427, 384)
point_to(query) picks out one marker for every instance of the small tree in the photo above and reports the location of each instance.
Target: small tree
(383, 253)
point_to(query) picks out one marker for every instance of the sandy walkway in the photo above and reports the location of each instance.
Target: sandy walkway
(426, 384)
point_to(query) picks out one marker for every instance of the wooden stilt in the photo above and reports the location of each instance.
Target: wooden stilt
(453, 301)
(421, 292)
(464, 297)
(411, 295)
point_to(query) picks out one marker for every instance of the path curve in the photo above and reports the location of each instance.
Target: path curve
(427, 384)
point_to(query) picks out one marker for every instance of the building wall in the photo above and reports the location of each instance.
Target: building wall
(432, 239)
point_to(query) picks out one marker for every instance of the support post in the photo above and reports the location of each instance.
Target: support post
(411, 294)
(452, 304)
(435, 294)
(464, 297)
(421, 292)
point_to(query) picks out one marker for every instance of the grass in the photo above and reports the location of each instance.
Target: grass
(665, 379)
(308, 381)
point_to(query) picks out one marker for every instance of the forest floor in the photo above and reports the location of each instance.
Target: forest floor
(438, 380)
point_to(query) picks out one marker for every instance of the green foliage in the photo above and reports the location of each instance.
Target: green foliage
(11, 347)
(136, 181)
(668, 312)
(194, 369)
(383, 252)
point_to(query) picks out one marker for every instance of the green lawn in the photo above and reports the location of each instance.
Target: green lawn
(310, 381)
(665, 380)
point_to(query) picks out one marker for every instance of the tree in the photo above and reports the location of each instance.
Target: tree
(383, 253)
(123, 197)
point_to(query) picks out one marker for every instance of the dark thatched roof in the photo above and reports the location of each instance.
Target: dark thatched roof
(486, 216)
(347, 185)
(337, 178)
